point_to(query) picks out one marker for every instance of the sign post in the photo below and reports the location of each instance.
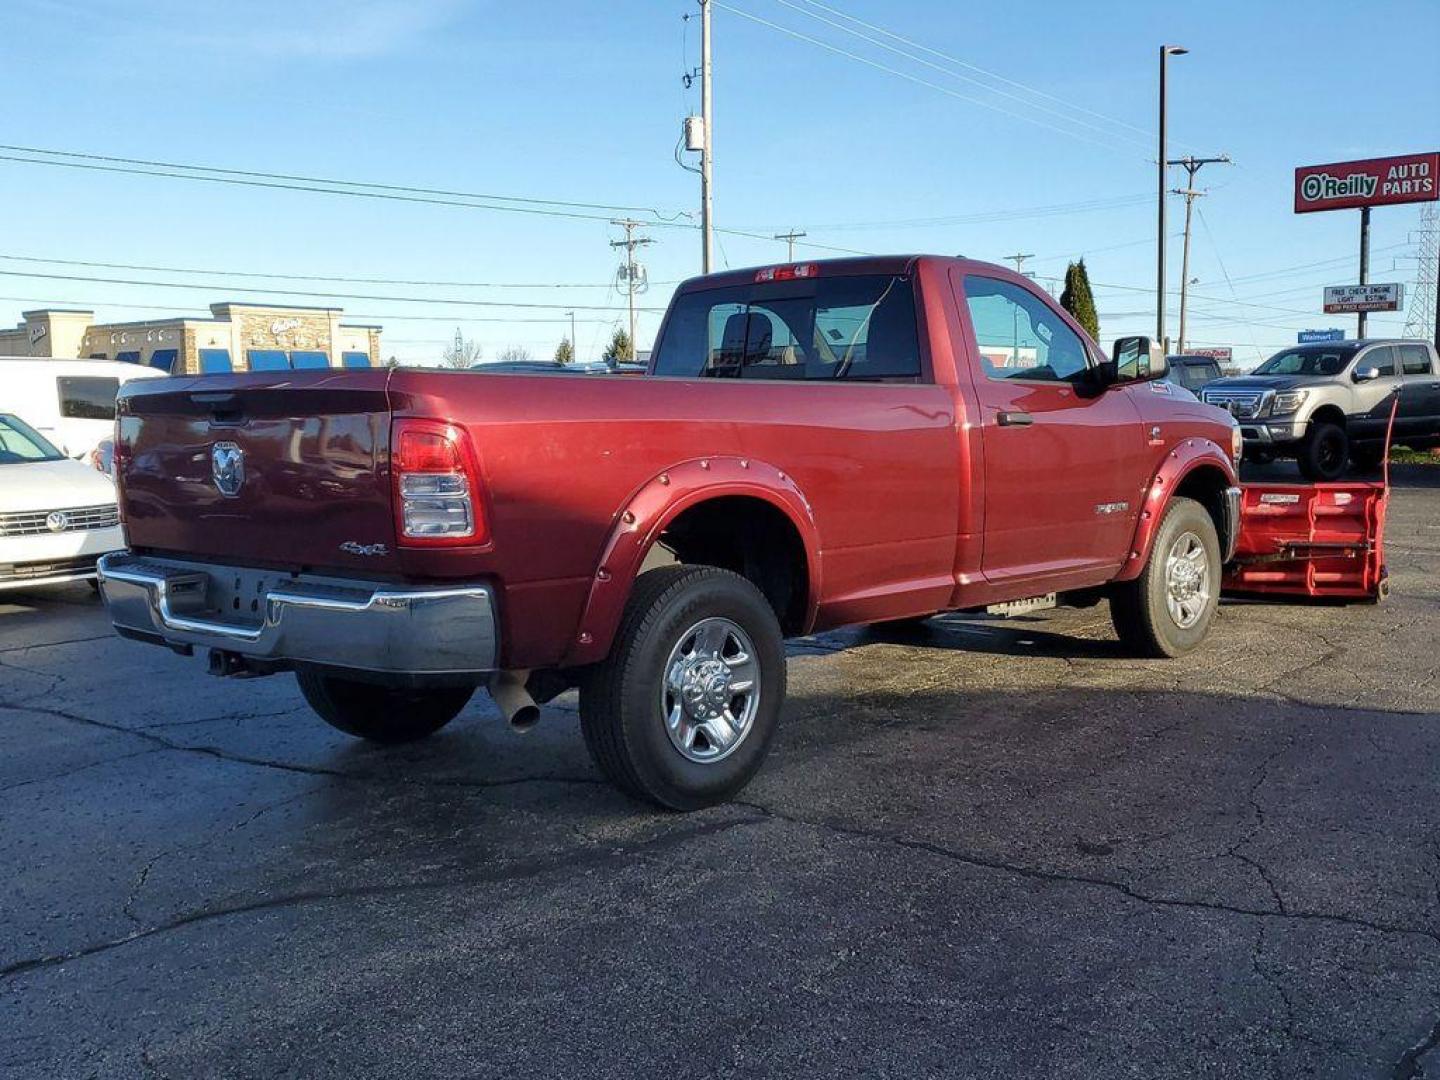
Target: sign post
(1345, 185)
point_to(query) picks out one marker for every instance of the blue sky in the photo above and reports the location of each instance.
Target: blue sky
(583, 102)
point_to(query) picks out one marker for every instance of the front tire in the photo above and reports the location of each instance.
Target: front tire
(381, 714)
(1168, 609)
(682, 712)
(1324, 452)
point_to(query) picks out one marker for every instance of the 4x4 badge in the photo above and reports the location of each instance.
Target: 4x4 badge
(227, 468)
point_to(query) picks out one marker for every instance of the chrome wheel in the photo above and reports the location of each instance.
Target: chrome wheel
(711, 690)
(1187, 580)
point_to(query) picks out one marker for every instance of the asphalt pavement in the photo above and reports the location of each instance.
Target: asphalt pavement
(990, 848)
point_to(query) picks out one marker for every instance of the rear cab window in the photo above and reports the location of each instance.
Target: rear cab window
(1414, 359)
(87, 397)
(857, 328)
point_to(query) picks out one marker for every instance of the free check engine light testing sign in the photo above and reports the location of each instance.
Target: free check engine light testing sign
(1344, 185)
(1343, 299)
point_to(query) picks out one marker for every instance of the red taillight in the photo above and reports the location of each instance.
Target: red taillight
(437, 485)
(788, 273)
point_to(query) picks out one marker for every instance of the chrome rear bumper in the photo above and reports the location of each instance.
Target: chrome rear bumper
(368, 627)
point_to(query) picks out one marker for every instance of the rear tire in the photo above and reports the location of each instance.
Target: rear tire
(381, 714)
(682, 712)
(1168, 609)
(1324, 452)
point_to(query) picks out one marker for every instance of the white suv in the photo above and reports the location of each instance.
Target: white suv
(57, 516)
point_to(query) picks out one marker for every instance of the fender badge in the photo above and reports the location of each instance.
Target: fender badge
(1112, 508)
(356, 548)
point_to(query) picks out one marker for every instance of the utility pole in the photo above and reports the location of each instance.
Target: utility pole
(630, 243)
(1192, 165)
(1364, 265)
(707, 122)
(574, 343)
(789, 238)
(1166, 51)
(1019, 260)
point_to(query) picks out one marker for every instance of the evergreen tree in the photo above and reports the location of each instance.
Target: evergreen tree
(1078, 300)
(621, 348)
(564, 352)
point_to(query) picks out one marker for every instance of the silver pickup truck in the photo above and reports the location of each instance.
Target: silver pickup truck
(1330, 403)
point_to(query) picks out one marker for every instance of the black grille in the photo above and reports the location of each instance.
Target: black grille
(30, 571)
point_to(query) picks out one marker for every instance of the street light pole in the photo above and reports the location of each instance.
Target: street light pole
(1166, 51)
(707, 123)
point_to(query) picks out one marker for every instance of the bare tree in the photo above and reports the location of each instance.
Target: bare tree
(514, 353)
(462, 352)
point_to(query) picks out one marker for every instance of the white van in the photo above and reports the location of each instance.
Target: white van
(70, 402)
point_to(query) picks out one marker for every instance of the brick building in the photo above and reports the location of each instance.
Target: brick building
(237, 337)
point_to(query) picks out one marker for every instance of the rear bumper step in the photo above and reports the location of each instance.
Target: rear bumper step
(372, 629)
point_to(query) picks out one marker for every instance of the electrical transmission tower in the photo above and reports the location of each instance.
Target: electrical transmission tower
(1421, 319)
(631, 273)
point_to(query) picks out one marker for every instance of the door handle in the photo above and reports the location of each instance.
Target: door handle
(1014, 419)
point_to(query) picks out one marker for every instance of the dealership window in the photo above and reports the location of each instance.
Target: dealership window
(267, 360)
(355, 359)
(164, 360)
(215, 361)
(87, 397)
(130, 357)
(307, 358)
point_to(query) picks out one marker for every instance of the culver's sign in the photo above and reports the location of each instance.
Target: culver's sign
(1345, 185)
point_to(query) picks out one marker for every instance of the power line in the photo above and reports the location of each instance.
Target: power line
(325, 295)
(385, 316)
(947, 71)
(908, 77)
(406, 188)
(1114, 202)
(973, 67)
(313, 277)
(278, 185)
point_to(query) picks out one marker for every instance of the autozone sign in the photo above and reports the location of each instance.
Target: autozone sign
(1221, 354)
(1344, 185)
(1349, 299)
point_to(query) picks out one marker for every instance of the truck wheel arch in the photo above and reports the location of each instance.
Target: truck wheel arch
(1197, 469)
(689, 488)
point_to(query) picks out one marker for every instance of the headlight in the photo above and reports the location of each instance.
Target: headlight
(1237, 444)
(1287, 401)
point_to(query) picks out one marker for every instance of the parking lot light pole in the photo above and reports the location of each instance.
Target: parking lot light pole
(1166, 51)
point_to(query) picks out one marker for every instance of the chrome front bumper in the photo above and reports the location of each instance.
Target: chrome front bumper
(288, 620)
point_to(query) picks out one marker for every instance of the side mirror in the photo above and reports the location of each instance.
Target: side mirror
(1135, 359)
(1368, 373)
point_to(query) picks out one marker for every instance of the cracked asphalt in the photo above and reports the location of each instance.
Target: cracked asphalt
(989, 848)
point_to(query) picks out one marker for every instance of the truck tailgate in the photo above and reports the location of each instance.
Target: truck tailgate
(289, 469)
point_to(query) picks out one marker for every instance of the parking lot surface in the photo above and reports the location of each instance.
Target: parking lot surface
(987, 848)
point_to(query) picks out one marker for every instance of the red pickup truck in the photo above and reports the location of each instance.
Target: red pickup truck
(814, 445)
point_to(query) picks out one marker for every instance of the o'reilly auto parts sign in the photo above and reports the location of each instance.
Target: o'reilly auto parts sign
(1349, 299)
(1344, 185)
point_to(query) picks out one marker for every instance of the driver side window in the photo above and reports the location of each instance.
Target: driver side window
(1019, 336)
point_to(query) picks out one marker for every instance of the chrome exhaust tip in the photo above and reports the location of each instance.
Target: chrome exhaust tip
(507, 689)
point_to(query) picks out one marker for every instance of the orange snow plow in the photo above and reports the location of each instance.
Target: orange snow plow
(1314, 541)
